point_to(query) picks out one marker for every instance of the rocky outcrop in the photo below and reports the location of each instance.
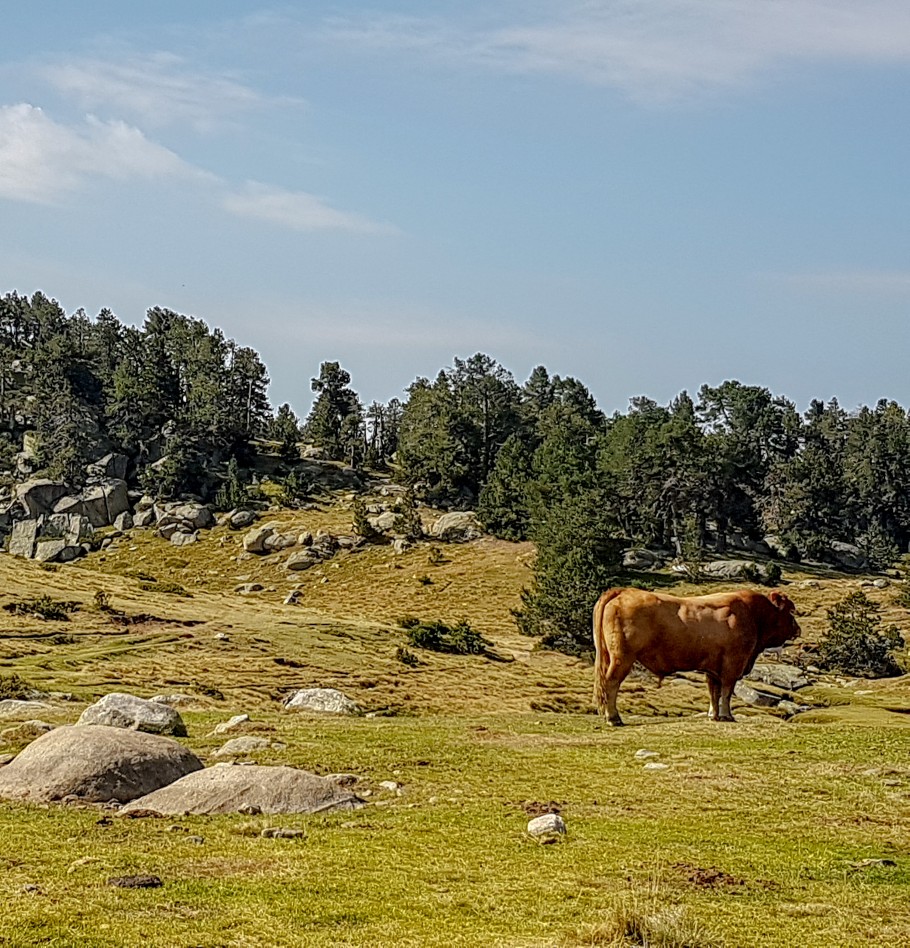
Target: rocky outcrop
(101, 503)
(94, 765)
(137, 714)
(40, 495)
(110, 466)
(253, 789)
(51, 538)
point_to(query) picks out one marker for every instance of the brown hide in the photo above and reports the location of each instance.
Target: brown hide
(721, 635)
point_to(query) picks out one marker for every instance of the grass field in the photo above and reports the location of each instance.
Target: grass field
(755, 834)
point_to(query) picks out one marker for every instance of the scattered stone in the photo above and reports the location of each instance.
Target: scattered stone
(94, 765)
(135, 882)
(254, 541)
(278, 542)
(241, 519)
(302, 560)
(550, 824)
(240, 746)
(645, 754)
(325, 700)
(221, 637)
(138, 714)
(780, 674)
(401, 545)
(791, 707)
(145, 518)
(873, 864)
(653, 766)
(457, 527)
(196, 840)
(278, 832)
(343, 780)
(232, 724)
(639, 559)
(14, 708)
(390, 785)
(292, 598)
(124, 521)
(227, 789)
(881, 583)
(247, 589)
(184, 539)
(198, 516)
(383, 522)
(755, 696)
(176, 700)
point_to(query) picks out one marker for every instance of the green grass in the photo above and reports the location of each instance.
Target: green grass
(748, 839)
(776, 812)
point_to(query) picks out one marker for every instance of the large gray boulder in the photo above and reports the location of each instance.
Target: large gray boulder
(102, 503)
(198, 516)
(137, 714)
(457, 527)
(111, 465)
(847, 555)
(302, 560)
(39, 495)
(229, 789)
(384, 521)
(23, 538)
(639, 559)
(322, 700)
(95, 765)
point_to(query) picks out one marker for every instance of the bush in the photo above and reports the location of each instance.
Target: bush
(856, 642)
(436, 636)
(43, 606)
(15, 688)
(166, 586)
(406, 657)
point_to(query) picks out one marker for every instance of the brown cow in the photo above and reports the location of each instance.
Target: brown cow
(721, 635)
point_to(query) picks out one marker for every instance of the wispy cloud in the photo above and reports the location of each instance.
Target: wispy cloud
(654, 51)
(42, 160)
(298, 210)
(868, 282)
(156, 90)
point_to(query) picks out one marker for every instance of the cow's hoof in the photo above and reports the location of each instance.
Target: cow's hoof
(728, 718)
(616, 722)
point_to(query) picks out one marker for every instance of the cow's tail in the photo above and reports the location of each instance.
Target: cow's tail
(601, 652)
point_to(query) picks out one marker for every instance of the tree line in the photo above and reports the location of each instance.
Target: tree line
(538, 460)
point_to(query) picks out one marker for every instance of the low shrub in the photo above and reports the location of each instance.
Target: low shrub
(166, 586)
(436, 636)
(15, 688)
(407, 657)
(43, 606)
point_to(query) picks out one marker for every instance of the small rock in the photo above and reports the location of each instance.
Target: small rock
(547, 825)
(197, 840)
(327, 700)
(242, 745)
(653, 766)
(645, 754)
(278, 832)
(221, 637)
(389, 785)
(250, 809)
(227, 726)
(881, 583)
(246, 589)
(30, 888)
(292, 598)
(343, 780)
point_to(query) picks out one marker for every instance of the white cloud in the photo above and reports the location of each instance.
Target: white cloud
(156, 90)
(42, 160)
(655, 50)
(297, 210)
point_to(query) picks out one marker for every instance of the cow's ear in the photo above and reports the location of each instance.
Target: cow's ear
(780, 601)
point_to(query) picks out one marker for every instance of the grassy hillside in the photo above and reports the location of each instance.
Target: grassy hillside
(755, 835)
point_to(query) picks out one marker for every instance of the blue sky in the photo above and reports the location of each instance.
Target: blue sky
(646, 195)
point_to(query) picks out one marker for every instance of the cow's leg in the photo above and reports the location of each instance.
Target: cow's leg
(714, 693)
(726, 692)
(616, 674)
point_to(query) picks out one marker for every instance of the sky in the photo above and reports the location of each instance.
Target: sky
(647, 196)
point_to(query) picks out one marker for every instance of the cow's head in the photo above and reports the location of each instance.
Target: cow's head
(783, 625)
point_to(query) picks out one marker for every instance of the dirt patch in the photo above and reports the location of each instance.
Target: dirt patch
(711, 878)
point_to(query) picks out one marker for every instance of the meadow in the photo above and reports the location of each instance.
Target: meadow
(767, 832)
